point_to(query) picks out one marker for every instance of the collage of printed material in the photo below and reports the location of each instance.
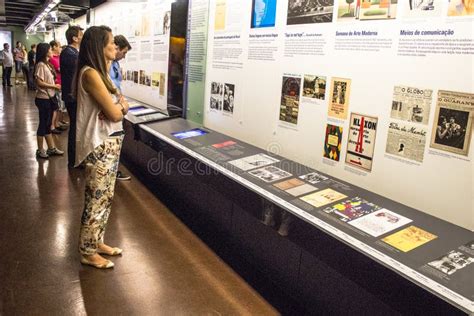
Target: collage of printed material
(222, 97)
(155, 80)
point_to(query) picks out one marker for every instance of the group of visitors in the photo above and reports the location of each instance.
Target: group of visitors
(86, 76)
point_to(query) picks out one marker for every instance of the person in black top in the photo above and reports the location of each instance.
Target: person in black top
(31, 67)
(68, 62)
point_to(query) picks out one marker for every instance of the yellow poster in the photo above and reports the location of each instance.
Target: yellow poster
(219, 21)
(162, 83)
(409, 238)
(323, 197)
(339, 98)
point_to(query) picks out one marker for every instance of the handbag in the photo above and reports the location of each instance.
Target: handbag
(53, 99)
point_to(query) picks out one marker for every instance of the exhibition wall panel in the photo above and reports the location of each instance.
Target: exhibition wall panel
(379, 93)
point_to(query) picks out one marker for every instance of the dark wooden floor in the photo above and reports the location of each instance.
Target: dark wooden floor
(165, 269)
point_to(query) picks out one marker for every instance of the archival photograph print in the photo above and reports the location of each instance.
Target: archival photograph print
(452, 262)
(309, 11)
(314, 87)
(270, 173)
(361, 141)
(461, 8)
(339, 98)
(290, 99)
(411, 104)
(229, 95)
(379, 222)
(333, 142)
(313, 177)
(409, 238)
(252, 162)
(323, 197)
(453, 122)
(406, 141)
(263, 13)
(217, 96)
(351, 209)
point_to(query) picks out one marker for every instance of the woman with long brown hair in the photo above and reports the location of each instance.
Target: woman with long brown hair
(99, 136)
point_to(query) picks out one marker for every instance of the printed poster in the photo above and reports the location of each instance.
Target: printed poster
(453, 122)
(290, 99)
(220, 14)
(339, 98)
(411, 104)
(351, 209)
(323, 197)
(409, 238)
(361, 141)
(333, 142)
(263, 13)
(380, 222)
(406, 141)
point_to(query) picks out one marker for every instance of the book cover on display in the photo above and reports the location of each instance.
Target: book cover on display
(305, 12)
(351, 209)
(270, 173)
(323, 197)
(339, 100)
(379, 222)
(406, 141)
(411, 104)
(409, 238)
(452, 262)
(361, 141)
(333, 142)
(290, 99)
(252, 162)
(314, 87)
(314, 177)
(263, 13)
(453, 122)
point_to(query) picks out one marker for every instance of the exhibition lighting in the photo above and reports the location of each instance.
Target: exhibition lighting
(47, 7)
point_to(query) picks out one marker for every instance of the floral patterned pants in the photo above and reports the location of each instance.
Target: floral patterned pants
(101, 171)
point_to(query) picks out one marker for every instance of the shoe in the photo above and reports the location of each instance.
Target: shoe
(115, 252)
(286, 220)
(61, 128)
(122, 177)
(56, 131)
(41, 154)
(54, 152)
(109, 264)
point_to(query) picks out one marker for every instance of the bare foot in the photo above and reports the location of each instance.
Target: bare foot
(96, 260)
(108, 250)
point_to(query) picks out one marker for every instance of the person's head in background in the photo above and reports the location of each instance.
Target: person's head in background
(74, 36)
(33, 47)
(123, 46)
(18, 44)
(55, 47)
(97, 51)
(43, 54)
(6, 46)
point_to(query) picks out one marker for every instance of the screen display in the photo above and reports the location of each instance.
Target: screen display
(191, 133)
(136, 109)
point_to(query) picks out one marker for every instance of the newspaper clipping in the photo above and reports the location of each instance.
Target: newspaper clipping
(411, 104)
(406, 141)
(340, 92)
(361, 141)
(453, 122)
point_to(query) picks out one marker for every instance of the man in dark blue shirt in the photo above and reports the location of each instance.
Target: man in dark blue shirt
(68, 64)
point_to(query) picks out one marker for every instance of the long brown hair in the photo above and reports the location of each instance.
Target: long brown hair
(91, 53)
(42, 57)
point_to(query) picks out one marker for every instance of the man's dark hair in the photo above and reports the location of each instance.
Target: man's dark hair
(5, 45)
(72, 31)
(122, 42)
(33, 46)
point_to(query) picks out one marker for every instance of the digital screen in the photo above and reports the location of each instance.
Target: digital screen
(191, 133)
(136, 109)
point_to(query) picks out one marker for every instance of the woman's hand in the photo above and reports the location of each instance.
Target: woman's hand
(57, 86)
(124, 104)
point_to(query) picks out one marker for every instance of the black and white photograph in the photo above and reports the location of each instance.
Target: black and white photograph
(309, 11)
(314, 87)
(252, 162)
(313, 177)
(451, 128)
(452, 262)
(229, 96)
(217, 94)
(270, 173)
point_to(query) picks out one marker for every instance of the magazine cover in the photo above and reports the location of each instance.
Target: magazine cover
(411, 104)
(270, 173)
(451, 262)
(453, 122)
(361, 141)
(409, 238)
(290, 99)
(305, 12)
(339, 98)
(323, 197)
(252, 162)
(333, 142)
(314, 87)
(263, 13)
(351, 209)
(379, 222)
(313, 177)
(406, 141)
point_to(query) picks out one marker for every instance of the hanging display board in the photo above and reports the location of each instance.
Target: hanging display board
(378, 93)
